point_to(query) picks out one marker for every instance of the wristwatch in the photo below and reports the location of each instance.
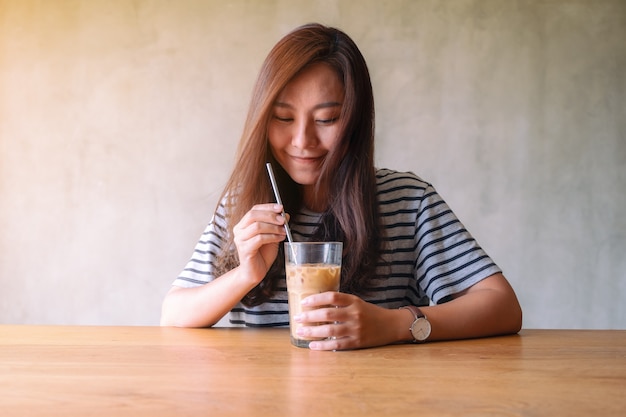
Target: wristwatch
(420, 329)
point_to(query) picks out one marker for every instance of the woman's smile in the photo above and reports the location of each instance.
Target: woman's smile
(307, 159)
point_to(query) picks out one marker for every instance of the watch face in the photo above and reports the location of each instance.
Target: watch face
(420, 329)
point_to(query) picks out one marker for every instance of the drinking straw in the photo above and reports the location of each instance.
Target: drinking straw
(279, 201)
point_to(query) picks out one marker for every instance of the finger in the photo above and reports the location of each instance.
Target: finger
(320, 329)
(275, 207)
(257, 234)
(259, 221)
(333, 298)
(333, 337)
(319, 315)
(262, 213)
(251, 245)
(331, 344)
(258, 228)
(270, 209)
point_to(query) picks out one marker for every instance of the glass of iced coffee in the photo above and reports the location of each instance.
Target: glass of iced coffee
(311, 268)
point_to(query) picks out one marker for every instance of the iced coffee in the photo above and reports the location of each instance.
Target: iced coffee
(310, 268)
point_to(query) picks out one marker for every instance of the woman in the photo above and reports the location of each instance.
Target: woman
(312, 116)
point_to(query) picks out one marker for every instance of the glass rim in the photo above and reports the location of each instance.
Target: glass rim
(314, 243)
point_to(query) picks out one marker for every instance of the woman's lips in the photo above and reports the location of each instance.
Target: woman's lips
(306, 159)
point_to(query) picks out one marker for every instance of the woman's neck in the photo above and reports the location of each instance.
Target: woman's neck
(314, 201)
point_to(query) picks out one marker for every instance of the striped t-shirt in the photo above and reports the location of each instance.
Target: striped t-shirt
(427, 255)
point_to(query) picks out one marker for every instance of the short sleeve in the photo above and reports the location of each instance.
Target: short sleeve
(201, 267)
(449, 259)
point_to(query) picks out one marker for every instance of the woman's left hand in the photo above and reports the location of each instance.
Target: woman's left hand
(348, 322)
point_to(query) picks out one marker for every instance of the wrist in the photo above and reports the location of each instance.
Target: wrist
(247, 277)
(403, 327)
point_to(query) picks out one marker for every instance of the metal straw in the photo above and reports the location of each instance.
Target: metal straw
(278, 200)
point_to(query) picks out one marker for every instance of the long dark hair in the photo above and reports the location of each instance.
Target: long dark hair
(348, 175)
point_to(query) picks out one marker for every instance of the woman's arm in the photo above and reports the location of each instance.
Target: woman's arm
(205, 305)
(490, 307)
(256, 237)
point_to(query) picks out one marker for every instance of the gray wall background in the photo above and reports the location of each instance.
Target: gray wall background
(119, 122)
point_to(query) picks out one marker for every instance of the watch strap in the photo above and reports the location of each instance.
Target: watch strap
(416, 311)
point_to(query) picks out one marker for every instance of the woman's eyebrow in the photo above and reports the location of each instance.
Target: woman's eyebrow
(323, 105)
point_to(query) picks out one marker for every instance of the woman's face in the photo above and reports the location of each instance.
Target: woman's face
(305, 122)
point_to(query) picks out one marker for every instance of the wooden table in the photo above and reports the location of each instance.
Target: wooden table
(153, 371)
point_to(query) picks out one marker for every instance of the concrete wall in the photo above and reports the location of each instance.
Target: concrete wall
(119, 121)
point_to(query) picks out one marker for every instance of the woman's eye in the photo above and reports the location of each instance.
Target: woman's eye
(283, 119)
(327, 121)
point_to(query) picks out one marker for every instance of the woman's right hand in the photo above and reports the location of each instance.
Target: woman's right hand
(257, 237)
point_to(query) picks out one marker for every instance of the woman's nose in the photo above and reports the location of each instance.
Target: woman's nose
(304, 135)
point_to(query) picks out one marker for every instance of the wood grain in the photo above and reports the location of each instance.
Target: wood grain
(141, 371)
